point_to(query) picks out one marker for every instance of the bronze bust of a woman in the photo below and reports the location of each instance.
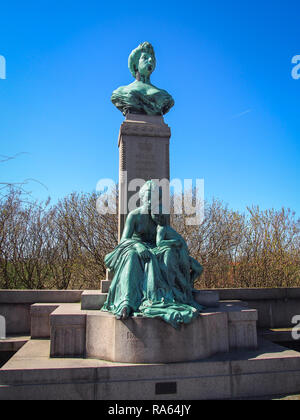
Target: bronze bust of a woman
(141, 97)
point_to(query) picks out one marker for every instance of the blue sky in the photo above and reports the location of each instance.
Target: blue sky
(227, 64)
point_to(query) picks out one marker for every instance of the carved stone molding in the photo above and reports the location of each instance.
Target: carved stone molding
(144, 129)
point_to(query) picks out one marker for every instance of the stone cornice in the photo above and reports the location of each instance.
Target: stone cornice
(137, 128)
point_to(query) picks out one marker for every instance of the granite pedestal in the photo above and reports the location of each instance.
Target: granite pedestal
(96, 334)
(145, 340)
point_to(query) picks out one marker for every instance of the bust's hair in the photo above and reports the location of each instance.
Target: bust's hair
(136, 54)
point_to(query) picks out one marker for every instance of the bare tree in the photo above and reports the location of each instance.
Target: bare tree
(63, 246)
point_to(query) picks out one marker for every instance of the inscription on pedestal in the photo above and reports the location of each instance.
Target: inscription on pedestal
(131, 337)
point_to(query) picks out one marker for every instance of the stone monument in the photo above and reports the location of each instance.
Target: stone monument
(153, 272)
(151, 306)
(154, 323)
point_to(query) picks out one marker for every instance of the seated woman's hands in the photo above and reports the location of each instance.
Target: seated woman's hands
(143, 252)
(177, 243)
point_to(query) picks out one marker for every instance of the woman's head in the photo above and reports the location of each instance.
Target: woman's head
(149, 193)
(141, 61)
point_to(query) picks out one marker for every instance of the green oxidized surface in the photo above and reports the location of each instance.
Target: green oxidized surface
(153, 272)
(141, 97)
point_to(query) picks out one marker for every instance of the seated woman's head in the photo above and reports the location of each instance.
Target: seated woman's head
(142, 62)
(149, 194)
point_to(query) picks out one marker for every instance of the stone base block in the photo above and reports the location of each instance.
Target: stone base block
(92, 299)
(67, 331)
(146, 340)
(40, 319)
(242, 329)
(242, 324)
(100, 335)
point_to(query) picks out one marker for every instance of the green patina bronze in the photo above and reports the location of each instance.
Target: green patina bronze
(141, 97)
(153, 272)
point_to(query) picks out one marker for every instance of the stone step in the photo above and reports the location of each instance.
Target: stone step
(207, 298)
(276, 335)
(105, 285)
(92, 299)
(40, 319)
(268, 370)
(13, 343)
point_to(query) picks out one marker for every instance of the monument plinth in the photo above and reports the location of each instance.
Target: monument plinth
(143, 154)
(99, 335)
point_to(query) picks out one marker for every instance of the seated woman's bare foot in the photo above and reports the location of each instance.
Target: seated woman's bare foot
(124, 313)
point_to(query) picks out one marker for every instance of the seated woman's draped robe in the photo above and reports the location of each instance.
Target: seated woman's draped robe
(151, 289)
